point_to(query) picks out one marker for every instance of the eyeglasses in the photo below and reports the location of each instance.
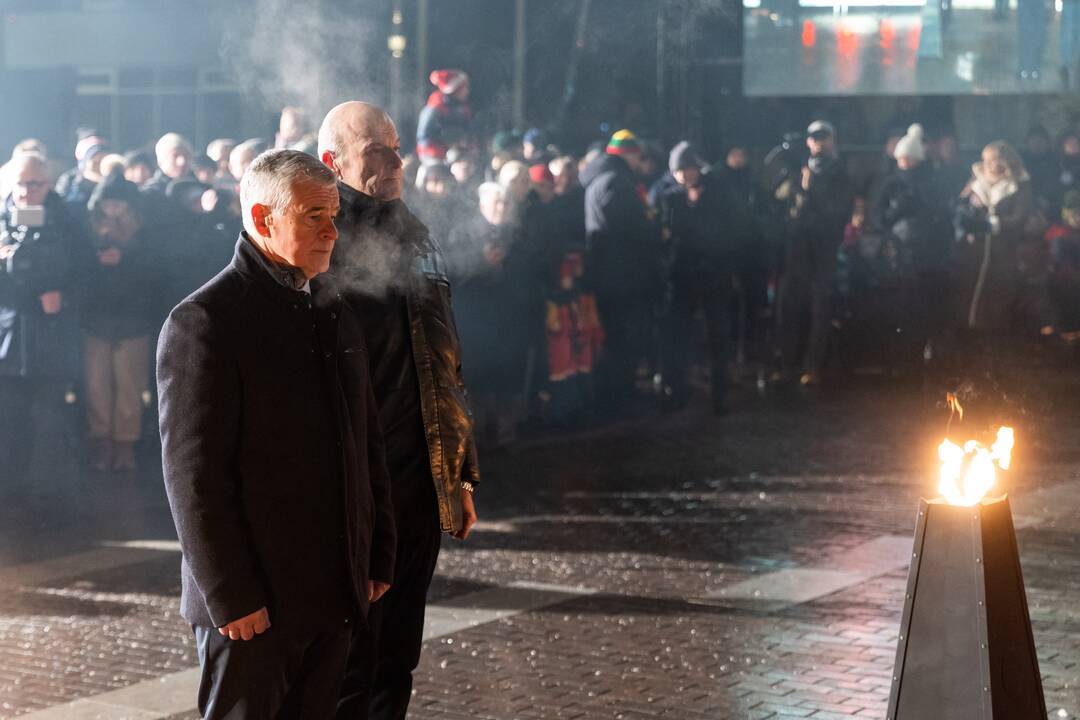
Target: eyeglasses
(32, 185)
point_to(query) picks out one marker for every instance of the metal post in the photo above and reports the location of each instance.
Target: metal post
(396, 45)
(422, 69)
(661, 71)
(520, 48)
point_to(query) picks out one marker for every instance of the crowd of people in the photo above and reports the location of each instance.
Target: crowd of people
(580, 283)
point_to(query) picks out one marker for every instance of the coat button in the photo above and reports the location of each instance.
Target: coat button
(329, 355)
(333, 316)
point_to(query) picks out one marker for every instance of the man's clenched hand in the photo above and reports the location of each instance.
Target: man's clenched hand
(248, 626)
(468, 515)
(376, 590)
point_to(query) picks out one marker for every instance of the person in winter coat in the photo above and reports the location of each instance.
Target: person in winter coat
(1063, 239)
(43, 257)
(273, 459)
(700, 267)
(913, 224)
(120, 315)
(818, 204)
(490, 311)
(395, 279)
(993, 217)
(622, 263)
(446, 119)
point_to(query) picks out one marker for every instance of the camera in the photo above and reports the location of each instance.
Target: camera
(31, 216)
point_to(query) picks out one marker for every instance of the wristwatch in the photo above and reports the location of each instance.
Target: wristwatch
(467, 486)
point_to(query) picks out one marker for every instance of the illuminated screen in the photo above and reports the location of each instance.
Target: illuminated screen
(909, 47)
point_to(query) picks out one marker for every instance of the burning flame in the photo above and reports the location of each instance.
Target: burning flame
(968, 472)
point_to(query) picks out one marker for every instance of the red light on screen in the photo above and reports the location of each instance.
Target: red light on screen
(809, 34)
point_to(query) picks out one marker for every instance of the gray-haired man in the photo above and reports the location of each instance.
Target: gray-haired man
(274, 463)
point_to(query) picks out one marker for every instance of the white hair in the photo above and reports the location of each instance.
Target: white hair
(486, 190)
(511, 171)
(171, 141)
(271, 178)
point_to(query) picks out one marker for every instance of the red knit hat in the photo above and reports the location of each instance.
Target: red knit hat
(539, 173)
(448, 81)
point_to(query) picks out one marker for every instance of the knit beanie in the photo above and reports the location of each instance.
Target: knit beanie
(540, 173)
(682, 156)
(624, 142)
(448, 81)
(115, 187)
(911, 145)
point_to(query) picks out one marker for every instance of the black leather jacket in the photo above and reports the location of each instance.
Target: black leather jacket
(367, 223)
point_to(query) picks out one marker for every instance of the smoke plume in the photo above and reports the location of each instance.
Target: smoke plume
(299, 53)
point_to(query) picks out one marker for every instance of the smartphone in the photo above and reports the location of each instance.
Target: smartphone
(31, 216)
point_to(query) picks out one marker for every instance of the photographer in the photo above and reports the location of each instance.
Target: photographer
(122, 311)
(41, 253)
(818, 202)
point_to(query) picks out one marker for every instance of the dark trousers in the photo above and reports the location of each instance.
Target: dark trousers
(713, 295)
(805, 322)
(282, 674)
(626, 341)
(378, 681)
(37, 436)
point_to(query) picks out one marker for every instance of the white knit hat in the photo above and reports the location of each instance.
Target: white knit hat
(911, 145)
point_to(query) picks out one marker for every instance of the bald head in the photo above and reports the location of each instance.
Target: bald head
(359, 142)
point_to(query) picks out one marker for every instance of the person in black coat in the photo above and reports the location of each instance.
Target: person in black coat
(819, 206)
(43, 255)
(622, 263)
(699, 220)
(396, 281)
(273, 459)
(913, 220)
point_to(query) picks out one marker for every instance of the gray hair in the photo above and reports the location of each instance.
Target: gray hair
(172, 141)
(253, 147)
(488, 189)
(271, 177)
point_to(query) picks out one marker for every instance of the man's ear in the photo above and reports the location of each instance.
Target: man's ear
(262, 218)
(329, 161)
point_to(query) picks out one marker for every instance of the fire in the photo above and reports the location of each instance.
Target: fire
(969, 472)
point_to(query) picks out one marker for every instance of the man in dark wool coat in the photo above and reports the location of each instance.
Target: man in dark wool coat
(274, 463)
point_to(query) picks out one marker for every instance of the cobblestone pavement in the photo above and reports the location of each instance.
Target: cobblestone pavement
(653, 553)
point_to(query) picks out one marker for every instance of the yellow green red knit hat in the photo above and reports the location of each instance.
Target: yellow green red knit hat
(623, 142)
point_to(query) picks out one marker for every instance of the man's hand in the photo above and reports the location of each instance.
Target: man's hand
(110, 256)
(7, 251)
(468, 515)
(248, 626)
(376, 590)
(51, 302)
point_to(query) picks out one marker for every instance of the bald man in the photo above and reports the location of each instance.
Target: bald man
(396, 285)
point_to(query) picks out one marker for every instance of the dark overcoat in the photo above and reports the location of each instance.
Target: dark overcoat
(274, 463)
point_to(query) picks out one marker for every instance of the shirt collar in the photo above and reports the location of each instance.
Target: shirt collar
(285, 275)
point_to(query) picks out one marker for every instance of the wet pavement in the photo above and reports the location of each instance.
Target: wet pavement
(669, 566)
